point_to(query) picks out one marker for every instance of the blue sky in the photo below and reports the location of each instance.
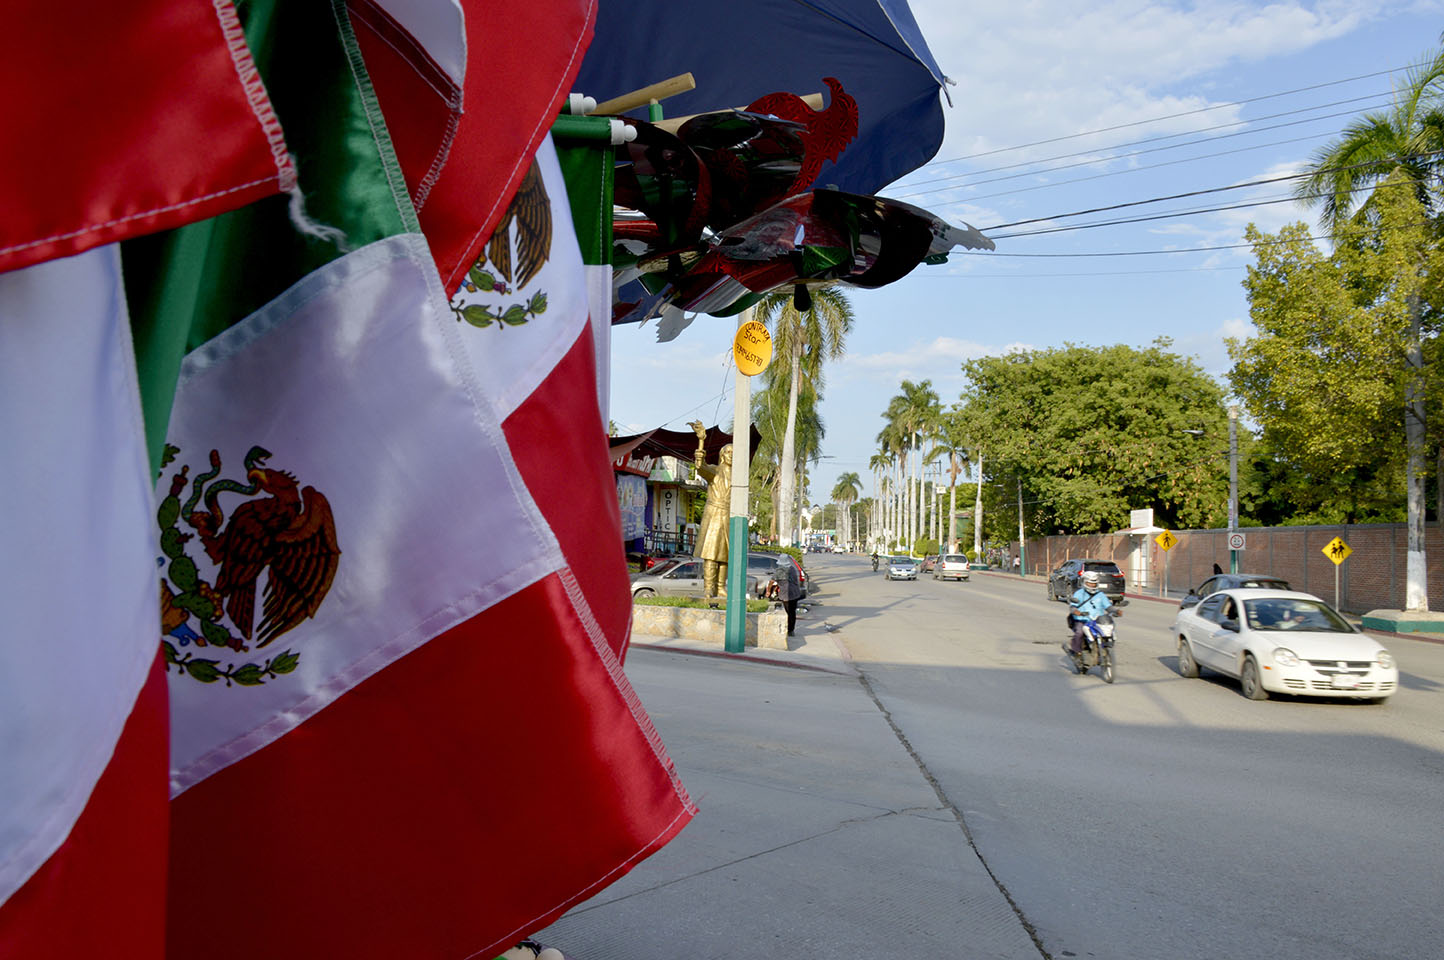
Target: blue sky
(1036, 70)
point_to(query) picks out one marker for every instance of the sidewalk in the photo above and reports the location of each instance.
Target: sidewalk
(818, 836)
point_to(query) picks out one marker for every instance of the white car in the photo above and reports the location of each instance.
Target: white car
(951, 566)
(1282, 641)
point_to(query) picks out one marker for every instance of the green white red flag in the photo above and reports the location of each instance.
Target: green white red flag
(385, 540)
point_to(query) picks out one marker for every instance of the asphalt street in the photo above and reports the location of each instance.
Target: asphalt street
(1159, 816)
(923, 775)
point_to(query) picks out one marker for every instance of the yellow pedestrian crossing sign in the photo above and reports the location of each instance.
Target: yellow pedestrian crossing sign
(1337, 550)
(1166, 540)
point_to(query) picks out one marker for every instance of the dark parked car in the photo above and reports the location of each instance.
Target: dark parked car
(1233, 581)
(1064, 578)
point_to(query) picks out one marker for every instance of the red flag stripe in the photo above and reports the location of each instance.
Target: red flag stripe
(579, 503)
(112, 867)
(177, 125)
(506, 746)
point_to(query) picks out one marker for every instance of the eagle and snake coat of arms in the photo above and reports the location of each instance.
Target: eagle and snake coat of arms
(287, 533)
(531, 214)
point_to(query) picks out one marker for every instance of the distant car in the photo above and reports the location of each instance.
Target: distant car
(928, 562)
(657, 560)
(951, 566)
(838, 548)
(1233, 581)
(1064, 579)
(1282, 641)
(901, 568)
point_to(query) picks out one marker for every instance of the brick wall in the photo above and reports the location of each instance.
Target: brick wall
(1371, 578)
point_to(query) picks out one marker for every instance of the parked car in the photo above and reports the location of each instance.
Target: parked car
(1282, 641)
(901, 568)
(951, 566)
(1063, 581)
(1233, 581)
(683, 578)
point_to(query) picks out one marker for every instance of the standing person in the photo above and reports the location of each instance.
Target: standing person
(1018, 564)
(712, 535)
(789, 591)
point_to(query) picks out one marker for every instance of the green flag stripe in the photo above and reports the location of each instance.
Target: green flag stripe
(186, 286)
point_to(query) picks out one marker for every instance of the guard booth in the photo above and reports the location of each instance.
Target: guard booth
(1138, 564)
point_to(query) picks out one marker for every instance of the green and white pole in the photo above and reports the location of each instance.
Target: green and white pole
(736, 629)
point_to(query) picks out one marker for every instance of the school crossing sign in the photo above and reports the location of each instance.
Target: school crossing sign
(1337, 550)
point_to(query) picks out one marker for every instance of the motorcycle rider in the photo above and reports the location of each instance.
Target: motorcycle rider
(1086, 603)
(874, 559)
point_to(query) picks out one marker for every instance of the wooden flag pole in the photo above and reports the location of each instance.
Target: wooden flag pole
(639, 98)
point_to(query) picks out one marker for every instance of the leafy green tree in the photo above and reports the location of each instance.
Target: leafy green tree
(1391, 152)
(1331, 371)
(1088, 433)
(802, 341)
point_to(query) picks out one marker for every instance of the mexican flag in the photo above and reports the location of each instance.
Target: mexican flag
(383, 534)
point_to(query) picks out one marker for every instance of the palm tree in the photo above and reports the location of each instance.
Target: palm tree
(1399, 146)
(847, 489)
(914, 410)
(879, 464)
(769, 414)
(952, 444)
(803, 340)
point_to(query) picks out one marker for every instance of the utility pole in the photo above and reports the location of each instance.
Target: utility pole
(735, 635)
(1022, 558)
(1232, 483)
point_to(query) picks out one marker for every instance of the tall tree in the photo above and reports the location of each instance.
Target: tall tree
(1401, 147)
(953, 444)
(847, 489)
(913, 412)
(1091, 432)
(802, 340)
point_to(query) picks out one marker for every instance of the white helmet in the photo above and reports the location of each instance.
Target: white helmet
(1090, 581)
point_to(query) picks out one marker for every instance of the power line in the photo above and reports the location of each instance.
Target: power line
(1112, 173)
(1175, 116)
(1207, 190)
(1093, 156)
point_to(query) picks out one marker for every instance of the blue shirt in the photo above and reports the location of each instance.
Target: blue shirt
(1090, 604)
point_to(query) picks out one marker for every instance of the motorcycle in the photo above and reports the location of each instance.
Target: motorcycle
(1098, 638)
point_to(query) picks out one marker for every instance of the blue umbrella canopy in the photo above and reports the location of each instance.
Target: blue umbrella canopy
(746, 49)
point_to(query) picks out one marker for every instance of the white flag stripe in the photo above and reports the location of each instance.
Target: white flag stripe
(354, 383)
(438, 27)
(513, 360)
(77, 547)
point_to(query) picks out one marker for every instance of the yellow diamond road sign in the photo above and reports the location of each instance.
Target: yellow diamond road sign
(1166, 540)
(1337, 550)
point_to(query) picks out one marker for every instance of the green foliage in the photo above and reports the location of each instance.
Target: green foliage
(925, 546)
(1092, 432)
(1327, 372)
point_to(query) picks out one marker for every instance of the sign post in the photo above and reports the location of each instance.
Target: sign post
(1338, 551)
(752, 351)
(1167, 541)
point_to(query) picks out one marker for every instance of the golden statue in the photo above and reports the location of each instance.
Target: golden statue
(712, 536)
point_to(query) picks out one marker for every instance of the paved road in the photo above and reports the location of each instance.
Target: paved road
(1158, 816)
